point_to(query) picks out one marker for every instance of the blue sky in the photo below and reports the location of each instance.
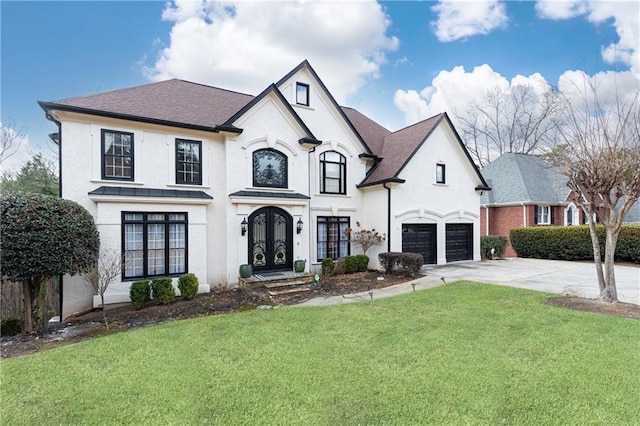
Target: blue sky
(397, 62)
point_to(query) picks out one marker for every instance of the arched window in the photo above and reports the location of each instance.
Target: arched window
(269, 168)
(333, 173)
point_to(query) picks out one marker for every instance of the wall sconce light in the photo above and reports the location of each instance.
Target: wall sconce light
(243, 226)
(299, 226)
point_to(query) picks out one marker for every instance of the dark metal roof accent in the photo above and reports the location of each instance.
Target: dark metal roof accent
(381, 182)
(123, 191)
(370, 157)
(265, 194)
(309, 141)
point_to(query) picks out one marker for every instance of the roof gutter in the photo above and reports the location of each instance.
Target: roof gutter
(49, 106)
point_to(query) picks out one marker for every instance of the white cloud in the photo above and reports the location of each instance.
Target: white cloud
(454, 91)
(611, 87)
(245, 46)
(460, 19)
(625, 17)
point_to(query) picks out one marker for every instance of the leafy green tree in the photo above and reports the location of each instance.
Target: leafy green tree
(43, 237)
(37, 176)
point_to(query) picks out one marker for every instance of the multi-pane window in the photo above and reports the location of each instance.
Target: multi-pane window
(333, 241)
(155, 244)
(269, 168)
(117, 155)
(543, 215)
(302, 94)
(440, 173)
(188, 162)
(333, 173)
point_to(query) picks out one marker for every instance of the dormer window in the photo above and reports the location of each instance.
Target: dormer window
(440, 173)
(302, 94)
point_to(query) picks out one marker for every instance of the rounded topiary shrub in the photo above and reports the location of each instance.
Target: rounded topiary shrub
(140, 293)
(362, 262)
(162, 291)
(188, 286)
(327, 266)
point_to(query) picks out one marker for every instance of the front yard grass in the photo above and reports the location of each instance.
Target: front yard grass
(463, 353)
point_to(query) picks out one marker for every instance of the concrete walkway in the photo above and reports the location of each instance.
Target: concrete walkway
(553, 276)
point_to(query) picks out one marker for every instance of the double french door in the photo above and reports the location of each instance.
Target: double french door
(270, 239)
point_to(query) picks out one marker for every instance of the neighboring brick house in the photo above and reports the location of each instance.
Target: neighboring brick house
(182, 177)
(526, 191)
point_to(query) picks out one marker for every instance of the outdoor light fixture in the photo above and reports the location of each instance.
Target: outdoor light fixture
(299, 226)
(243, 226)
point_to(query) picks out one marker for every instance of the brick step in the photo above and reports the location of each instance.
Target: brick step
(289, 291)
(276, 284)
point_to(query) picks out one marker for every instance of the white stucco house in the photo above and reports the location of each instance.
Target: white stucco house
(182, 177)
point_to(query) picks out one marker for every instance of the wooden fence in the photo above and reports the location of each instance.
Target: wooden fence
(12, 304)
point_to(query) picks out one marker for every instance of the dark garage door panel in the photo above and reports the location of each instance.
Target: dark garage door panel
(459, 241)
(420, 238)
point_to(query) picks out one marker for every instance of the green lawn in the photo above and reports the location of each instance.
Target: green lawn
(464, 353)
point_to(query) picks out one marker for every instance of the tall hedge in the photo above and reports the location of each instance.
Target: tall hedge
(572, 242)
(43, 237)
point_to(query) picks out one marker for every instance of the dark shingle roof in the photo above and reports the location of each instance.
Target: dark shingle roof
(398, 148)
(521, 178)
(172, 101)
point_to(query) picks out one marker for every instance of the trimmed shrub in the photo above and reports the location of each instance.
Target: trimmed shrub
(10, 326)
(162, 291)
(362, 261)
(328, 266)
(573, 242)
(496, 242)
(140, 293)
(351, 264)
(401, 263)
(188, 286)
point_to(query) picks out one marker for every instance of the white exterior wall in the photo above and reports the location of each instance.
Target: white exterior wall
(422, 200)
(154, 167)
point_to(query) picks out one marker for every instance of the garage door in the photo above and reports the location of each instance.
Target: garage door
(459, 241)
(420, 238)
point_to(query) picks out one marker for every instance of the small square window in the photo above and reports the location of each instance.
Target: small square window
(440, 173)
(302, 94)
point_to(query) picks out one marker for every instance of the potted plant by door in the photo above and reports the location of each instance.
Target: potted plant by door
(298, 265)
(246, 270)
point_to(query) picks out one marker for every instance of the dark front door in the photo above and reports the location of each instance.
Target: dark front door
(459, 241)
(270, 239)
(420, 238)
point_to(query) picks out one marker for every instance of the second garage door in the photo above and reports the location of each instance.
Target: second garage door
(420, 238)
(459, 241)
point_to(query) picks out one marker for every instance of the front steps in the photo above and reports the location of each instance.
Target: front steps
(280, 283)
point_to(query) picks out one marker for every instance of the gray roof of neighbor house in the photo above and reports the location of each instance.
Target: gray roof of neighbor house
(185, 104)
(521, 178)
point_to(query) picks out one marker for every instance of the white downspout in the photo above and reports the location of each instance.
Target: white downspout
(524, 214)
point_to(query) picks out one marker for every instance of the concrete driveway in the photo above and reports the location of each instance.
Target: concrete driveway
(553, 276)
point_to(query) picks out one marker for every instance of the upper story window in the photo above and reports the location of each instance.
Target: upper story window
(117, 155)
(544, 215)
(440, 173)
(188, 162)
(333, 173)
(269, 168)
(302, 94)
